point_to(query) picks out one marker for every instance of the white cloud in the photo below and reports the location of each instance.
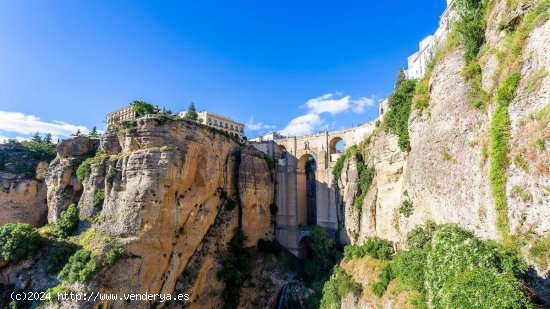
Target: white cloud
(327, 103)
(305, 124)
(252, 126)
(358, 106)
(332, 103)
(4, 139)
(20, 123)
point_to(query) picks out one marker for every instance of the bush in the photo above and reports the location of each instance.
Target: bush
(421, 236)
(483, 288)
(338, 167)
(235, 269)
(142, 108)
(540, 252)
(84, 169)
(340, 285)
(58, 256)
(114, 255)
(80, 268)
(366, 175)
(323, 256)
(409, 266)
(397, 118)
(99, 197)
(374, 247)
(386, 276)
(67, 222)
(18, 241)
(454, 254)
(406, 208)
(470, 26)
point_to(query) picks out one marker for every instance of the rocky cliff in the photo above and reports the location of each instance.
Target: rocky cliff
(448, 175)
(174, 193)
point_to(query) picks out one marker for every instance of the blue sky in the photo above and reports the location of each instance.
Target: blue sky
(283, 65)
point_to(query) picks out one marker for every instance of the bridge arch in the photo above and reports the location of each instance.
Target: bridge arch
(335, 146)
(306, 190)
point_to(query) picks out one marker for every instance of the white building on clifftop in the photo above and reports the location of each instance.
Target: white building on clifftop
(418, 62)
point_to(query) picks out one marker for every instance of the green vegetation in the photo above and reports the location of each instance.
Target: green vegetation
(406, 208)
(397, 118)
(113, 255)
(58, 255)
(317, 268)
(338, 167)
(471, 27)
(191, 112)
(84, 169)
(43, 148)
(142, 108)
(377, 248)
(340, 285)
(366, 174)
(18, 241)
(540, 252)
(54, 292)
(99, 197)
(67, 221)
(499, 137)
(386, 276)
(235, 269)
(451, 268)
(80, 268)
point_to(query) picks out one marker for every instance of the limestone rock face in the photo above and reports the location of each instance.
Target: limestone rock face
(446, 173)
(63, 185)
(174, 195)
(22, 200)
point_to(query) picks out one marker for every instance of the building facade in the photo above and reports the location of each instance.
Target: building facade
(271, 136)
(418, 62)
(219, 122)
(123, 114)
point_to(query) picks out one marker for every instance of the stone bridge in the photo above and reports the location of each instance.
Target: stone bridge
(307, 196)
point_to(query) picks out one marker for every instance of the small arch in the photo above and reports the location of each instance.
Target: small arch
(336, 147)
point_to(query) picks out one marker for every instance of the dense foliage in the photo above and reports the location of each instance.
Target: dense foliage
(191, 113)
(340, 285)
(58, 255)
(142, 108)
(99, 197)
(470, 26)
(113, 255)
(366, 175)
(23, 157)
(67, 221)
(451, 268)
(80, 268)
(43, 148)
(374, 247)
(235, 269)
(18, 240)
(397, 117)
(84, 169)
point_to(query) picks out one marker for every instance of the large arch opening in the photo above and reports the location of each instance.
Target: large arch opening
(307, 191)
(336, 147)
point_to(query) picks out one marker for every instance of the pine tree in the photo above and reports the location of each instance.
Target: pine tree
(48, 138)
(94, 133)
(36, 138)
(191, 112)
(401, 77)
(78, 133)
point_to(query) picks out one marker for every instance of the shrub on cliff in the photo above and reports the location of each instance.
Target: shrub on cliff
(80, 268)
(397, 117)
(452, 268)
(58, 256)
(99, 198)
(67, 222)
(84, 169)
(235, 269)
(18, 241)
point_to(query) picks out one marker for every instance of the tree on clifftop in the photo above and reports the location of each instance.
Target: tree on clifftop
(191, 112)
